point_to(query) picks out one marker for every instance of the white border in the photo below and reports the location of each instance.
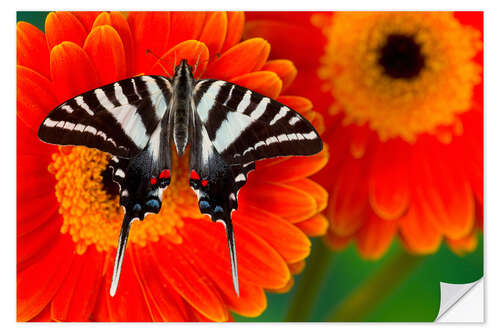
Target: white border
(492, 166)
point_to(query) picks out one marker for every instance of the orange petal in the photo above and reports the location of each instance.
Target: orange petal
(314, 189)
(76, 298)
(251, 301)
(38, 283)
(375, 236)
(86, 18)
(284, 237)
(418, 233)
(235, 22)
(300, 41)
(285, 70)
(119, 23)
(284, 289)
(283, 200)
(64, 26)
(38, 242)
(318, 122)
(72, 71)
(32, 51)
(129, 291)
(150, 31)
(360, 138)
(185, 278)
(214, 32)
(297, 103)
(188, 25)
(348, 202)
(258, 262)
(297, 267)
(336, 242)
(195, 52)
(105, 48)
(314, 226)
(463, 245)
(292, 168)
(245, 57)
(43, 316)
(441, 188)
(35, 97)
(264, 82)
(165, 302)
(35, 213)
(388, 185)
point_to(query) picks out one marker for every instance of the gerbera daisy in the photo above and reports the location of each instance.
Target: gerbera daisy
(404, 123)
(176, 266)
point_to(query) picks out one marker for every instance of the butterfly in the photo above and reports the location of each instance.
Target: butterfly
(226, 126)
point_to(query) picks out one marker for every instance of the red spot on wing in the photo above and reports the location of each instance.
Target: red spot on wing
(153, 181)
(194, 175)
(204, 182)
(165, 174)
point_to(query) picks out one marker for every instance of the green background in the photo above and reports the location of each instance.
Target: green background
(416, 299)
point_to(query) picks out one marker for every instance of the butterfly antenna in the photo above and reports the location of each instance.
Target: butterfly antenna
(159, 62)
(207, 60)
(197, 61)
(232, 255)
(120, 253)
(175, 59)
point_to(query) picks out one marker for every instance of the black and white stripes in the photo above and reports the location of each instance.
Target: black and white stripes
(246, 126)
(226, 126)
(117, 118)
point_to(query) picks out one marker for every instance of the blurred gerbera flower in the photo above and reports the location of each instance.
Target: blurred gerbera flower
(403, 118)
(176, 267)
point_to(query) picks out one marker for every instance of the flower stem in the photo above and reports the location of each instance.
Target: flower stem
(363, 300)
(311, 282)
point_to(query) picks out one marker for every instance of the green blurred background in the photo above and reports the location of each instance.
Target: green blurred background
(417, 298)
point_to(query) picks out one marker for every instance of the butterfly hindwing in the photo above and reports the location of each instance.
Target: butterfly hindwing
(117, 118)
(142, 180)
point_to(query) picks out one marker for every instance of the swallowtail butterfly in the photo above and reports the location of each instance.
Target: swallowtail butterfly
(227, 127)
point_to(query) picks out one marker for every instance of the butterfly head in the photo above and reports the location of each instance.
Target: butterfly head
(183, 69)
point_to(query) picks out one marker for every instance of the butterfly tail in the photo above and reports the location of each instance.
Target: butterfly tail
(120, 253)
(232, 254)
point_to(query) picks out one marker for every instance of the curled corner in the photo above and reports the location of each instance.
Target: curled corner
(452, 296)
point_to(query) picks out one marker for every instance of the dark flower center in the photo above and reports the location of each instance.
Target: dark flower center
(401, 57)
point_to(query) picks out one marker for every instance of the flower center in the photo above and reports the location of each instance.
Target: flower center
(90, 206)
(403, 74)
(401, 57)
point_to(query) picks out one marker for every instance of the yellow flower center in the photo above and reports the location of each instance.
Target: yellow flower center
(91, 215)
(402, 73)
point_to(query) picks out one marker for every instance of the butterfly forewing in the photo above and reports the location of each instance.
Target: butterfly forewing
(245, 126)
(117, 118)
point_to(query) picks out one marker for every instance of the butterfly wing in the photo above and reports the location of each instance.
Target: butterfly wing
(216, 183)
(142, 180)
(246, 126)
(233, 127)
(118, 118)
(128, 119)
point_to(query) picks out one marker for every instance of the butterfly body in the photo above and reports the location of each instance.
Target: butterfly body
(226, 127)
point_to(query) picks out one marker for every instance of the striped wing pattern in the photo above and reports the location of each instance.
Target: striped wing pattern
(246, 126)
(117, 118)
(230, 127)
(233, 127)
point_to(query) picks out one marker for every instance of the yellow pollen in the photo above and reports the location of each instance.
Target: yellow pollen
(400, 106)
(92, 216)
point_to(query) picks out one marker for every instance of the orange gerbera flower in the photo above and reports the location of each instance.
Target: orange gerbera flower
(176, 267)
(404, 120)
